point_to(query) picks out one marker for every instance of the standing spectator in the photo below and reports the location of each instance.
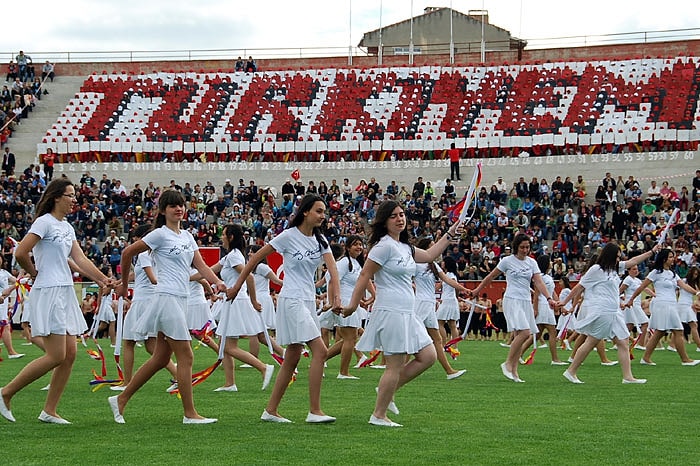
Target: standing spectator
(8, 162)
(23, 62)
(49, 160)
(696, 186)
(418, 187)
(47, 71)
(453, 154)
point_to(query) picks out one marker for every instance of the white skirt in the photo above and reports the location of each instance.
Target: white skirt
(137, 308)
(568, 321)
(664, 316)
(425, 312)
(448, 310)
(328, 320)
(54, 311)
(545, 315)
(198, 314)
(239, 319)
(603, 325)
(394, 333)
(354, 320)
(519, 315)
(106, 313)
(297, 321)
(686, 313)
(166, 314)
(362, 313)
(635, 315)
(268, 311)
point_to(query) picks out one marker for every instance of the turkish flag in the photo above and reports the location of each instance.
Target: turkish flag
(296, 175)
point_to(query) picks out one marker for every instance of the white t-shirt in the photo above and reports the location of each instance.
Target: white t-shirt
(173, 253)
(143, 287)
(549, 284)
(425, 282)
(229, 274)
(348, 278)
(394, 278)
(301, 256)
(197, 295)
(518, 275)
(262, 283)
(685, 298)
(602, 288)
(562, 296)
(4, 283)
(632, 284)
(665, 285)
(449, 293)
(52, 251)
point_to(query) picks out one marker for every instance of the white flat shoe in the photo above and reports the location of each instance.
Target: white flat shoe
(347, 377)
(269, 370)
(506, 372)
(230, 388)
(364, 358)
(204, 420)
(46, 388)
(49, 419)
(571, 378)
(4, 410)
(694, 362)
(455, 375)
(609, 363)
(392, 406)
(171, 388)
(559, 363)
(634, 381)
(15, 356)
(118, 388)
(267, 417)
(245, 366)
(114, 405)
(319, 418)
(375, 421)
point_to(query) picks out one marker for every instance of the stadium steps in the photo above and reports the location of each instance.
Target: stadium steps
(32, 129)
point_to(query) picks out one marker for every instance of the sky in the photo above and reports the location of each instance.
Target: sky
(169, 25)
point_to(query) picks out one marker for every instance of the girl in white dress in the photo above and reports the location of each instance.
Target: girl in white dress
(105, 315)
(567, 319)
(347, 328)
(544, 314)
(425, 278)
(303, 247)
(604, 318)
(634, 315)
(685, 303)
(448, 310)
(55, 315)
(145, 280)
(393, 327)
(240, 317)
(664, 307)
(520, 269)
(263, 276)
(174, 252)
(7, 286)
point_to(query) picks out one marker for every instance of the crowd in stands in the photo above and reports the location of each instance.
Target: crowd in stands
(559, 217)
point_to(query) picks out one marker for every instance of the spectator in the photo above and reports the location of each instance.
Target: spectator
(23, 62)
(8, 162)
(251, 66)
(47, 71)
(12, 72)
(454, 155)
(240, 65)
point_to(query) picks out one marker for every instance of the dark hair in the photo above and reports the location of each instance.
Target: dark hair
(169, 197)
(693, 277)
(306, 204)
(543, 262)
(234, 233)
(424, 243)
(591, 262)
(337, 250)
(379, 229)
(349, 241)
(608, 257)
(54, 190)
(661, 257)
(140, 231)
(566, 282)
(450, 264)
(519, 238)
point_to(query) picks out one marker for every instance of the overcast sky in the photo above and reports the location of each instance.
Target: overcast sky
(131, 25)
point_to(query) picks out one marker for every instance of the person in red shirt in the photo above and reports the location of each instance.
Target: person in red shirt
(453, 153)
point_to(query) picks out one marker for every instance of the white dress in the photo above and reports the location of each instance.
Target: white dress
(297, 321)
(685, 307)
(517, 301)
(634, 314)
(424, 307)
(238, 317)
(566, 320)
(52, 306)
(393, 327)
(603, 318)
(143, 294)
(664, 307)
(348, 279)
(198, 307)
(449, 306)
(545, 314)
(262, 293)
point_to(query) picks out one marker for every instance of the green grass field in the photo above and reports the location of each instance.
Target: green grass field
(480, 418)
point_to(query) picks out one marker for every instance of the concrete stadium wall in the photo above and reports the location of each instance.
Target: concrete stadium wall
(677, 167)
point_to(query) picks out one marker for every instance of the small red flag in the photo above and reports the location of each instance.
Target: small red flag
(296, 175)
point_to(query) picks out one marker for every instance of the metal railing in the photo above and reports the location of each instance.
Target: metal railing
(341, 51)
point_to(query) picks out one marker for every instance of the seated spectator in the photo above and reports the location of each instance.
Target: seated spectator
(47, 71)
(240, 66)
(251, 66)
(11, 71)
